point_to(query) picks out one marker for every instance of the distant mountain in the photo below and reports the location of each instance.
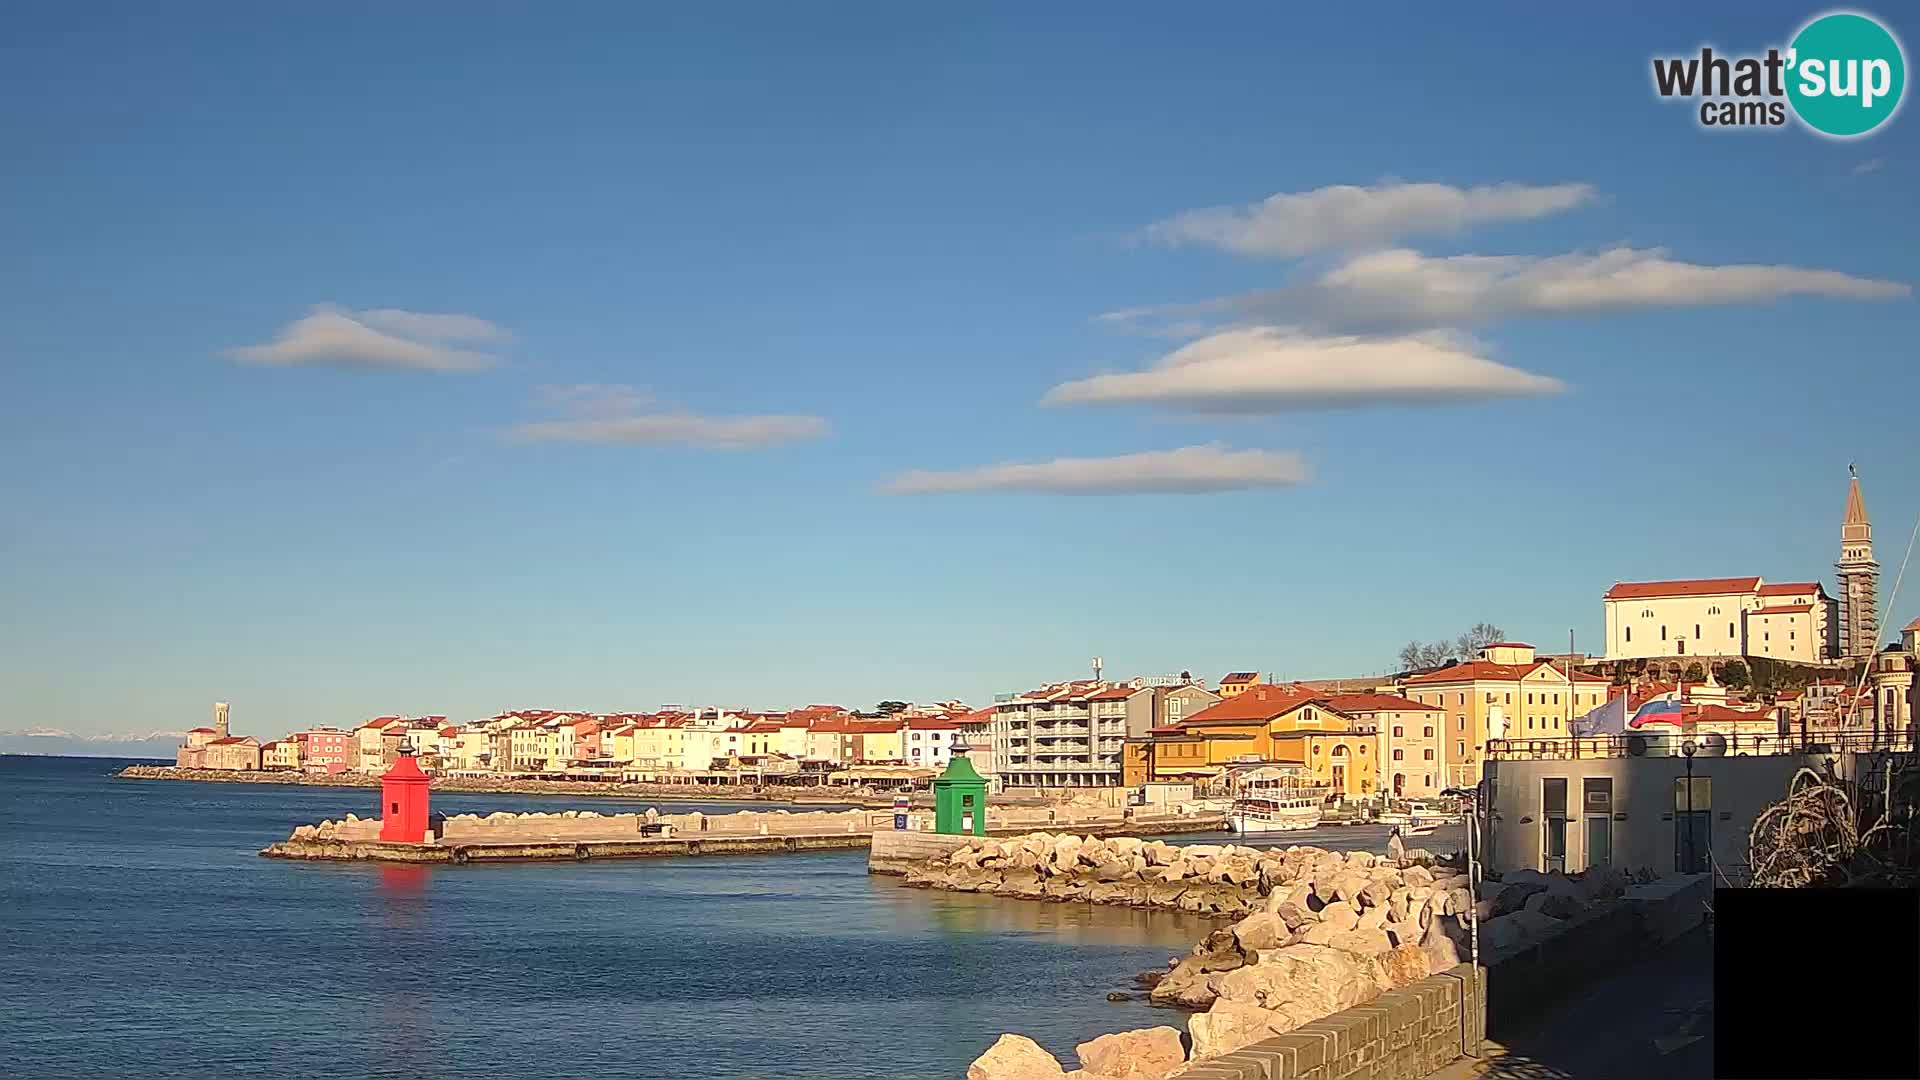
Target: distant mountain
(151, 744)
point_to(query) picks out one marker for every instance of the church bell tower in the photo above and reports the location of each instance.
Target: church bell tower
(1859, 578)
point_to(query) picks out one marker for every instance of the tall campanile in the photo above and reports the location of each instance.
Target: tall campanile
(1859, 578)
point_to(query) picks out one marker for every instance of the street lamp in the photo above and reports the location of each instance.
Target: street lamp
(1689, 749)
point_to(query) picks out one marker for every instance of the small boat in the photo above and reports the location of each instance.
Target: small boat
(1280, 804)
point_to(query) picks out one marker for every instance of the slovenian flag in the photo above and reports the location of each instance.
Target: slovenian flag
(1663, 710)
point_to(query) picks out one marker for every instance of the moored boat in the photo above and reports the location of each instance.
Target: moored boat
(1279, 804)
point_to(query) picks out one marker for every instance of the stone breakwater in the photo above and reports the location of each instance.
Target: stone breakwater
(584, 834)
(1332, 932)
(1207, 879)
(504, 786)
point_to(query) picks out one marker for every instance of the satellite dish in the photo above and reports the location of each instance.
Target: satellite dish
(1637, 745)
(1715, 745)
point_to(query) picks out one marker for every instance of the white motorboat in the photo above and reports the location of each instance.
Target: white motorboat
(1280, 804)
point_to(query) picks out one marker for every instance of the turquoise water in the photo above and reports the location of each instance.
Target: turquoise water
(141, 935)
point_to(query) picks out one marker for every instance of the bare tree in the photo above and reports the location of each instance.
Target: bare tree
(1478, 636)
(1413, 655)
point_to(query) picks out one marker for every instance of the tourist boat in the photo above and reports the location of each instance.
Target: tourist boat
(1277, 805)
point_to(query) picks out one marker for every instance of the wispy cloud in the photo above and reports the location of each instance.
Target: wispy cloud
(1402, 288)
(1869, 165)
(379, 338)
(62, 733)
(612, 415)
(1188, 470)
(1267, 369)
(1292, 224)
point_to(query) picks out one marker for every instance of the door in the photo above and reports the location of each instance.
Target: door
(1553, 818)
(1692, 840)
(1554, 846)
(1599, 842)
(1596, 808)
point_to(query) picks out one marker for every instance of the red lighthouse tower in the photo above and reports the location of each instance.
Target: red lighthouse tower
(403, 802)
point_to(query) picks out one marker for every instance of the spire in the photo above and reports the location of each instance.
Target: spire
(1856, 506)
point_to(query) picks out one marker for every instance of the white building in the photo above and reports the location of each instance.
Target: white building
(1721, 617)
(928, 740)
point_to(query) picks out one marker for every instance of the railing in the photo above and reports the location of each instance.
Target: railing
(1705, 745)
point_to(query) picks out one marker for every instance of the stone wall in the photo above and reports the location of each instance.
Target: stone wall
(1402, 1034)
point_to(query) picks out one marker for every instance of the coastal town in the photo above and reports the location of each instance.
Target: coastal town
(1741, 664)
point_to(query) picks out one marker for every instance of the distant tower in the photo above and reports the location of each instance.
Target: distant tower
(220, 720)
(1859, 578)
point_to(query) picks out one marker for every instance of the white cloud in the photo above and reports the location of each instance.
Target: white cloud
(380, 338)
(1401, 288)
(1266, 369)
(1291, 224)
(1189, 470)
(62, 733)
(611, 415)
(1869, 165)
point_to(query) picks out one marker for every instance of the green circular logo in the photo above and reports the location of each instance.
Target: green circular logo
(1845, 74)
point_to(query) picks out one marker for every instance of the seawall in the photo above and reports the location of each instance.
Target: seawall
(556, 850)
(488, 785)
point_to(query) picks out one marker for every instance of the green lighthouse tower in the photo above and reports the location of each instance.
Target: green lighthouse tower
(960, 798)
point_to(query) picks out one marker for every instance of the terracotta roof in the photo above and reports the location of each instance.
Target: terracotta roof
(1259, 703)
(1646, 590)
(1118, 693)
(1350, 703)
(1489, 671)
(1167, 729)
(978, 716)
(1783, 609)
(200, 731)
(1914, 625)
(934, 723)
(231, 740)
(1789, 588)
(1240, 677)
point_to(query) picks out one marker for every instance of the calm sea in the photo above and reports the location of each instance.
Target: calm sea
(141, 935)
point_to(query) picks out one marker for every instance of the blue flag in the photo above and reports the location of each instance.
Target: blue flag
(1608, 719)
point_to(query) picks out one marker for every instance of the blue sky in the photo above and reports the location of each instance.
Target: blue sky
(837, 257)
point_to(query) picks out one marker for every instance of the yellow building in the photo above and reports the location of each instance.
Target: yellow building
(660, 743)
(281, 754)
(1237, 683)
(1406, 737)
(1262, 725)
(1505, 693)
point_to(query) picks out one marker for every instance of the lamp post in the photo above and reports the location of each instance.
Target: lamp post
(1687, 748)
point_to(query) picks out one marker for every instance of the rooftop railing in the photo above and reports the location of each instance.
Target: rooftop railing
(1705, 745)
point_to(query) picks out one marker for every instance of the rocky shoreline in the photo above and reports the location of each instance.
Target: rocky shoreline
(482, 785)
(1327, 931)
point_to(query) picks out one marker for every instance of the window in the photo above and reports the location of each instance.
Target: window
(1713, 611)
(1529, 723)
(1646, 613)
(1460, 721)
(1399, 755)
(1629, 633)
(1509, 700)
(1460, 749)
(1401, 732)
(1429, 779)
(1696, 631)
(1529, 699)
(1428, 732)
(1729, 629)
(1663, 633)
(1428, 754)
(1462, 701)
